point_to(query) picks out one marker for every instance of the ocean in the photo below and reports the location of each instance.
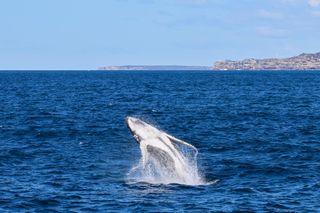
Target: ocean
(65, 145)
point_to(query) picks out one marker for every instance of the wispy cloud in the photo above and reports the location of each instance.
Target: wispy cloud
(271, 32)
(270, 14)
(314, 3)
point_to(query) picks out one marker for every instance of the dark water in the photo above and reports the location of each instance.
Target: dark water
(64, 145)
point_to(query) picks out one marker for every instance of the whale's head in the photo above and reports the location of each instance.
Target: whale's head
(140, 130)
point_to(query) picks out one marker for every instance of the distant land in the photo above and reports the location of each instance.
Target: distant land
(304, 61)
(155, 67)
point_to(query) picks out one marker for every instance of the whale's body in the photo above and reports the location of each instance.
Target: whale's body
(162, 157)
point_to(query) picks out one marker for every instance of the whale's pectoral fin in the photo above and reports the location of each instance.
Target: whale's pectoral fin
(178, 141)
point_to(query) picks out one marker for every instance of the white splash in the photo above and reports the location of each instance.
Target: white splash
(164, 158)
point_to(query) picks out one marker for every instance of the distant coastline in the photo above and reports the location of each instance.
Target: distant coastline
(304, 61)
(155, 67)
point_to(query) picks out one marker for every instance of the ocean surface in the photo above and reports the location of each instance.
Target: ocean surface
(65, 146)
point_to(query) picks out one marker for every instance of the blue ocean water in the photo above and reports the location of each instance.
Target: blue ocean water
(64, 144)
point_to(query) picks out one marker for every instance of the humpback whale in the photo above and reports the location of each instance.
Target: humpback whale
(164, 157)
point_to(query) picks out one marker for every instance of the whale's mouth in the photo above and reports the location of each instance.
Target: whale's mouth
(128, 120)
(164, 158)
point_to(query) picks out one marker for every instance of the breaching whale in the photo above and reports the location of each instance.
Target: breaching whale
(163, 156)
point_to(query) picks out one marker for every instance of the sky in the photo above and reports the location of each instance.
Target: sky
(87, 34)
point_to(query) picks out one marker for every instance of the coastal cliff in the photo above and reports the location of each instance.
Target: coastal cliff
(301, 62)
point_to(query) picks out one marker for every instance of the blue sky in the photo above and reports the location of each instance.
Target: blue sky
(86, 34)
